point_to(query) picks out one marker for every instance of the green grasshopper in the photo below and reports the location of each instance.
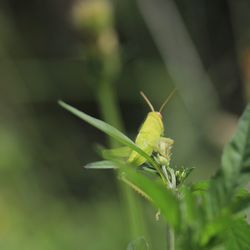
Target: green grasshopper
(150, 139)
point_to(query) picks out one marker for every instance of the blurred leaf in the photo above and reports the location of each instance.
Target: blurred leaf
(134, 187)
(236, 155)
(101, 165)
(138, 244)
(217, 199)
(237, 237)
(200, 186)
(162, 198)
(148, 169)
(241, 201)
(214, 228)
(221, 197)
(190, 213)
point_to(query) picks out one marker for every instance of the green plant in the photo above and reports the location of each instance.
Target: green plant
(203, 215)
(94, 21)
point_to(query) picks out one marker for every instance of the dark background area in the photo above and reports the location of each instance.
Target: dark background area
(48, 200)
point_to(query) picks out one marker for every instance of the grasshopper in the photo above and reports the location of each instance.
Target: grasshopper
(150, 138)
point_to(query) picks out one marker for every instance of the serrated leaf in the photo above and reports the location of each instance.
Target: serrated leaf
(214, 228)
(101, 165)
(162, 198)
(216, 199)
(241, 201)
(237, 237)
(236, 155)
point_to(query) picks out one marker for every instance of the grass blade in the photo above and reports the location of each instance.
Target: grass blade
(111, 131)
(101, 165)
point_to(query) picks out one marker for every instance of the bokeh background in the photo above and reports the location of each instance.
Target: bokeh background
(97, 56)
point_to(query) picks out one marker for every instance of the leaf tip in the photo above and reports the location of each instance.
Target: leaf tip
(61, 103)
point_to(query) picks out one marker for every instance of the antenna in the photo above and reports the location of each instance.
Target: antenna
(147, 101)
(167, 100)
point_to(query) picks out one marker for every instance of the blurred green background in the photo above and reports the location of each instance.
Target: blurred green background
(97, 56)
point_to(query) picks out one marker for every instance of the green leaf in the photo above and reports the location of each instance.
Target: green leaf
(214, 228)
(101, 125)
(138, 244)
(101, 165)
(190, 211)
(241, 201)
(182, 174)
(121, 152)
(109, 130)
(236, 155)
(237, 237)
(162, 198)
(216, 199)
(148, 169)
(201, 186)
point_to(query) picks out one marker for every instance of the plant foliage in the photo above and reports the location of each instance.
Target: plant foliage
(204, 215)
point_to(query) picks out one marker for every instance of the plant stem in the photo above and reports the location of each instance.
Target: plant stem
(170, 238)
(107, 101)
(170, 230)
(109, 108)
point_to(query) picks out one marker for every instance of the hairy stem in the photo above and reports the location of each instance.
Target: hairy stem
(170, 230)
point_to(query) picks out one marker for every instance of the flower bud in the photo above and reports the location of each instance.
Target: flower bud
(92, 16)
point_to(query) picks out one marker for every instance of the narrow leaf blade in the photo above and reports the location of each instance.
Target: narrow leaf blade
(109, 130)
(101, 165)
(162, 198)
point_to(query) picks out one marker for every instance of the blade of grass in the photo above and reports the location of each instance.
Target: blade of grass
(112, 132)
(101, 165)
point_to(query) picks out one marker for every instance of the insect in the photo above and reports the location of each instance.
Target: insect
(150, 137)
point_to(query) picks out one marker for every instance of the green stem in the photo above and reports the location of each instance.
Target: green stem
(170, 230)
(170, 238)
(108, 105)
